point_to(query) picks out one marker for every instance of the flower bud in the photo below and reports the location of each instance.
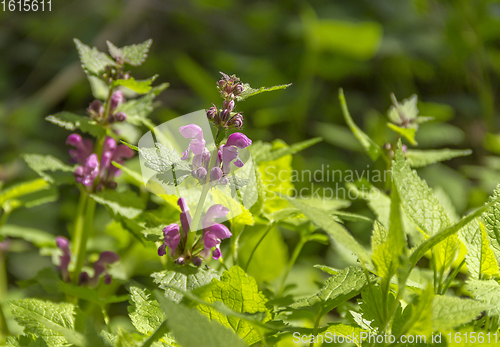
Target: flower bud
(238, 89)
(404, 148)
(197, 261)
(236, 121)
(180, 260)
(116, 99)
(83, 279)
(211, 112)
(96, 108)
(107, 279)
(120, 117)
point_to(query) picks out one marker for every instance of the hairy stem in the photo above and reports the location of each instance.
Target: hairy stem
(316, 326)
(257, 245)
(82, 235)
(206, 187)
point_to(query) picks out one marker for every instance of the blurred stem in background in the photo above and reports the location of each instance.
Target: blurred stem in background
(4, 329)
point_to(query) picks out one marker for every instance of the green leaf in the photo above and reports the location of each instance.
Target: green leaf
(371, 148)
(126, 204)
(93, 62)
(239, 292)
(269, 258)
(486, 291)
(265, 153)
(140, 87)
(480, 257)
(192, 329)
(71, 122)
(449, 312)
(185, 278)
(26, 341)
(422, 313)
(408, 133)
(339, 329)
(161, 159)
(89, 294)
(249, 91)
(42, 163)
(38, 237)
(137, 177)
(133, 55)
(337, 289)
(419, 202)
(22, 189)
(425, 246)
(492, 221)
(55, 323)
(403, 113)
(418, 158)
(384, 256)
(336, 231)
(144, 312)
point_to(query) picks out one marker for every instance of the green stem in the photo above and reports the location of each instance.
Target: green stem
(291, 262)
(4, 328)
(206, 187)
(452, 277)
(257, 245)
(158, 334)
(315, 330)
(81, 237)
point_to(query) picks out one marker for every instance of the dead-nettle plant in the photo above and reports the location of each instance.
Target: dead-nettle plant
(197, 296)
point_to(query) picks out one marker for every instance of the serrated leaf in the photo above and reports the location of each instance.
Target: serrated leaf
(55, 323)
(38, 237)
(419, 202)
(492, 221)
(260, 155)
(22, 189)
(249, 91)
(449, 312)
(486, 291)
(480, 257)
(138, 109)
(163, 160)
(71, 122)
(336, 231)
(239, 292)
(421, 158)
(144, 311)
(133, 55)
(93, 62)
(384, 256)
(126, 204)
(408, 133)
(185, 278)
(42, 163)
(371, 148)
(337, 289)
(140, 87)
(199, 331)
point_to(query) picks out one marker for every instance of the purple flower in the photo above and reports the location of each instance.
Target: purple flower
(197, 144)
(236, 121)
(229, 151)
(100, 267)
(83, 148)
(200, 163)
(213, 232)
(171, 239)
(63, 244)
(212, 112)
(87, 173)
(96, 109)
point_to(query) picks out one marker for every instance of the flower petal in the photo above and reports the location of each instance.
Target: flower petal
(239, 140)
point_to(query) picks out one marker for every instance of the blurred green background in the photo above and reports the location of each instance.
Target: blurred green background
(446, 52)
